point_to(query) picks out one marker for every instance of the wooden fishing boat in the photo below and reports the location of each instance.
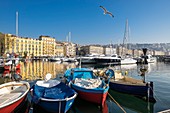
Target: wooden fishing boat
(132, 86)
(87, 85)
(12, 94)
(53, 96)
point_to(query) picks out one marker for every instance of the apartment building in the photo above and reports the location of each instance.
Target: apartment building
(48, 44)
(92, 49)
(59, 49)
(44, 46)
(20, 46)
(109, 50)
(69, 49)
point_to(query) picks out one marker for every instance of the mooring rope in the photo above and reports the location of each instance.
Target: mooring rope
(117, 103)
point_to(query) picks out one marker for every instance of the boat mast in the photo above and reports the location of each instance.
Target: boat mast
(125, 39)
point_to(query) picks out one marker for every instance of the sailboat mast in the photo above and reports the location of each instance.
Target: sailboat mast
(126, 35)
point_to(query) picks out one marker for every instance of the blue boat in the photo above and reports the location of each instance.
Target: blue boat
(87, 85)
(53, 96)
(129, 85)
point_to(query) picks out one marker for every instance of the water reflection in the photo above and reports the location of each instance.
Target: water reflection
(32, 71)
(38, 69)
(81, 106)
(129, 102)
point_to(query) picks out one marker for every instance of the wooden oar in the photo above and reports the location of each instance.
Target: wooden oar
(117, 103)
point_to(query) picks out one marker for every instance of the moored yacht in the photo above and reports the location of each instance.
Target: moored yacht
(88, 59)
(113, 59)
(150, 59)
(128, 61)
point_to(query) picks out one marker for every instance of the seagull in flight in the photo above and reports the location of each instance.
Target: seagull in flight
(106, 12)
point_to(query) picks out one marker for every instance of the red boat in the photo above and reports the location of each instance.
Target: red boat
(12, 94)
(88, 86)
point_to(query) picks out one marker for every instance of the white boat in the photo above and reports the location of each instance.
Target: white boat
(149, 58)
(129, 66)
(128, 61)
(12, 94)
(114, 59)
(88, 59)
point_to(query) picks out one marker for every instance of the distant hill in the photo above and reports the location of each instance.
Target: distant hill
(155, 46)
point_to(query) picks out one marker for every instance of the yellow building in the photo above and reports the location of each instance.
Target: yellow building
(48, 45)
(20, 46)
(44, 46)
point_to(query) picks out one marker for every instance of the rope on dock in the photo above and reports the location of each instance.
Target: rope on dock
(117, 103)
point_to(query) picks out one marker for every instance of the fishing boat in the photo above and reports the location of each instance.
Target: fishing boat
(12, 94)
(88, 86)
(52, 95)
(132, 86)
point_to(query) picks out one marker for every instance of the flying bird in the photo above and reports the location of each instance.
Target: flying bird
(106, 12)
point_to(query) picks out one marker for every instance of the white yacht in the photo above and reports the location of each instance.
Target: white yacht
(113, 59)
(128, 61)
(150, 59)
(88, 59)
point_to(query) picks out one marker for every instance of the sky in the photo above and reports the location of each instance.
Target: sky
(149, 20)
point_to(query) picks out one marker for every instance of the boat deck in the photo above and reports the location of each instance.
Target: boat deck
(128, 81)
(6, 98)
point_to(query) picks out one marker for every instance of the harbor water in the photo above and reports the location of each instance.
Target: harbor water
(158, 72)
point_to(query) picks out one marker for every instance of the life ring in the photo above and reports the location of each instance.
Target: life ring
(109, 73)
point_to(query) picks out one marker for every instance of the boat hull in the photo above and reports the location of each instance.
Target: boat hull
(54, 106)
(136, 90)
(107, 61)
(10, 108)
(92, 95)
(7, 104)
(57, 98)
